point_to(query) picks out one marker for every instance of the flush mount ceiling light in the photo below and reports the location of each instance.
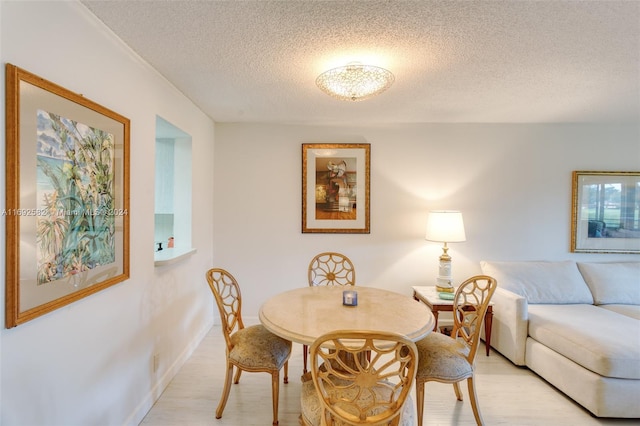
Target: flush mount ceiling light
(355, 81)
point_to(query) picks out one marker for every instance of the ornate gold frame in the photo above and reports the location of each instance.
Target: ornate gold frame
(596, 201)
(27, 295)
(335, 188)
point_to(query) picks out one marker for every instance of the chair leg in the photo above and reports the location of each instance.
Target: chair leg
(420, 401)
(305, 354)
(286, 372)
(456, 389)
(237, 378)
(471, 384)
(225, 390)
(275, 385)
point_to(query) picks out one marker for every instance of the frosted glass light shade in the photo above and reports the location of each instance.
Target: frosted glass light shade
(354, 81)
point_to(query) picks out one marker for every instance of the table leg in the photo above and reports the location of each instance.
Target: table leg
(435, 316)
(349, 359)
(488, 320)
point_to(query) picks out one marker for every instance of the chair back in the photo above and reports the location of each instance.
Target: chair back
(226, 292)
(363, 377)
(331, 268)
(470, 304)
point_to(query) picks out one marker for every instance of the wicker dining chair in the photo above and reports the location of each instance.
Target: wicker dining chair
(452, 359)
(252, 349)
(349, 388)
(328, 268)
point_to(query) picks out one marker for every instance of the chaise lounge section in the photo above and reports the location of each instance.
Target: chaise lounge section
(577, 325)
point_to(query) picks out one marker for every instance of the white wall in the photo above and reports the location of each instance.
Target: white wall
(511, 182)
(91, 363)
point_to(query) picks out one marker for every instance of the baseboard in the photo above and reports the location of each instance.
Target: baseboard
(161, 384)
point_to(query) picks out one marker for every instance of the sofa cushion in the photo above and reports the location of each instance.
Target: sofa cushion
(600, 340)
(613, 282)
(632, 311)
(541, 282)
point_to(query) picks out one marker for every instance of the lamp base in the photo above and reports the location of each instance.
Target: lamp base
(443, 282)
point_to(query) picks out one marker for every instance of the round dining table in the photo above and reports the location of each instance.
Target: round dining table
(304, 314)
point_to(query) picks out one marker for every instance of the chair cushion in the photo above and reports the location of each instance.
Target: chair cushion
(312, 406)
(256, 347)
(442, 358)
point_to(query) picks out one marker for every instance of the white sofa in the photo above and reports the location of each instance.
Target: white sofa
(577, 325)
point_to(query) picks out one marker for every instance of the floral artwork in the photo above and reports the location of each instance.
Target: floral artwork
(66, 212)
(75, 197)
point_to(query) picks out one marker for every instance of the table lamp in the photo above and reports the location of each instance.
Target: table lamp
(445, 226)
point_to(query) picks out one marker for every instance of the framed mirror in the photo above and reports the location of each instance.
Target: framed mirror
(605, 212)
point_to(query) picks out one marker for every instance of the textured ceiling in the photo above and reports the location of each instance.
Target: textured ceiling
(454, 61)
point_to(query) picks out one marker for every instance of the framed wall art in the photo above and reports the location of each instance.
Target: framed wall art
(67, 197)
(335, 188)
(605, 212)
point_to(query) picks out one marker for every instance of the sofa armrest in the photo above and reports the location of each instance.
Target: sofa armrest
(510, 325)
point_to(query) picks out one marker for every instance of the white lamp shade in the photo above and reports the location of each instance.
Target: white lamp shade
(445, 226)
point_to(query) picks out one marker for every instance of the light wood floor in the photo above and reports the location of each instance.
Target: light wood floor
(508, 395)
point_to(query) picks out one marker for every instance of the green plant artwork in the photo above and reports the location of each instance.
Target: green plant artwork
(75, 198)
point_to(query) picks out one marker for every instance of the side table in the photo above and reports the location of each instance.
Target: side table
(429, 296)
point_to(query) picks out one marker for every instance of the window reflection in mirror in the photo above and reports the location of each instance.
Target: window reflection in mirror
(606, 212)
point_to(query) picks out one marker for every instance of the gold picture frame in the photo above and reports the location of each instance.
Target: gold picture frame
(336, 188)
(67, 197)
(605, 214)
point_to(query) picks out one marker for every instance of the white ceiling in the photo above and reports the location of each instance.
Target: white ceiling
(454, 61)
